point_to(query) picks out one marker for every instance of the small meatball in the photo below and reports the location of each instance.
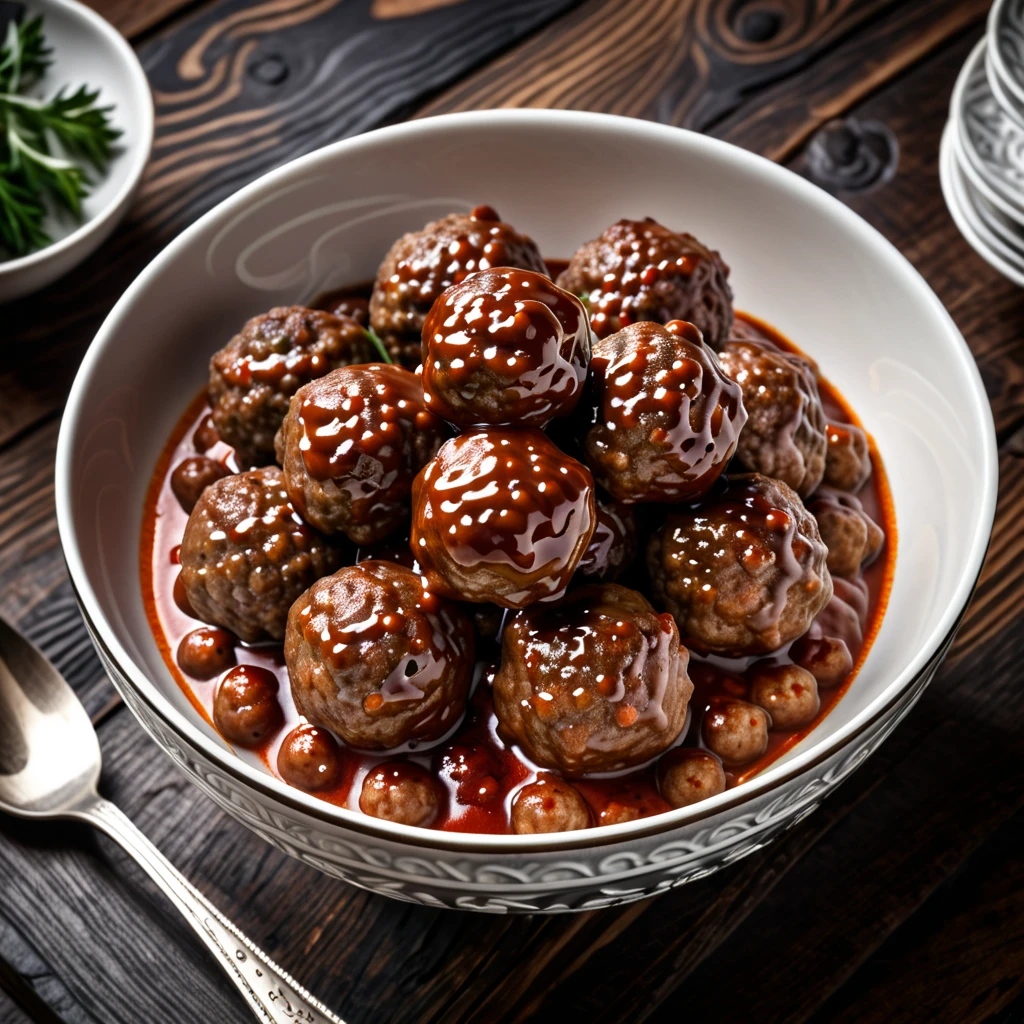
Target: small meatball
(785, 432)
(310, 759)
(744, 572)
(688, 775)
(852, 537)
(612, 549)
(596, 682)
(549, 805)
(246, 710)
(377, 658)
(618, 802)
(826, 658)
(254, 376)
(355, 307)
(665, 418)
(350, 446)
(848, 459)
(192, 476)
(205, 436)
(400, 791)
(422, 264)
(246, 555)
(505, 348)
(788, 693)
(206, 652)
(181, 598)
(472, 772)
(638, 270)
(735, 730)
(501, 516)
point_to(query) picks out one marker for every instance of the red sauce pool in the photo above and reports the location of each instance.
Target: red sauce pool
(478, 772)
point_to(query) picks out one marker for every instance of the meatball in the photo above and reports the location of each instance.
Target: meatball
(347, 303)
(687, 775)
(205, 436)
(852, 537)
(255, 374)
(596, 682)
(826, 658)
(788, 693)
(505, 348)
(785, 432)
(310, 759)
(245, 706)
(744, 572)
(350, 446)
(665, 419)
(400, 791)
(612, 548)
(549, 805)
(735, 730)
(206, 652)
(192, 476)
(501, 516)
(377, 658)
(246, 555)
(472, 772)
(422, 264)
(848, 459)
(638, 270)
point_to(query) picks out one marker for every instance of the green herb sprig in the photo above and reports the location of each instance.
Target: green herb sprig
(45, 145)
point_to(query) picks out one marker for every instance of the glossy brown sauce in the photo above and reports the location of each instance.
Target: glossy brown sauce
(478, 772)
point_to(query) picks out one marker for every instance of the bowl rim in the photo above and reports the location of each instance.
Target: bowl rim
(352, 821)
(138, 151)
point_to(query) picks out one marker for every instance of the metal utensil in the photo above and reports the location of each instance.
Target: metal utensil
(49, 767)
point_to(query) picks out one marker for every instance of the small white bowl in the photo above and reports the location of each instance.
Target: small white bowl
(88, 51)
(799, 258)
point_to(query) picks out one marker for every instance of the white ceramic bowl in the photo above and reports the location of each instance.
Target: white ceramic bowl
(800, 259)
(88, 51)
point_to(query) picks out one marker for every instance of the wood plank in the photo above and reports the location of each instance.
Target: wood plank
(131, 18)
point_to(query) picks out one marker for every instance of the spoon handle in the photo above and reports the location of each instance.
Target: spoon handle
(272, 994)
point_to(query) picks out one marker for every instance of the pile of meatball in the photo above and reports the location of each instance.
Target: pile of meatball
(484, 495)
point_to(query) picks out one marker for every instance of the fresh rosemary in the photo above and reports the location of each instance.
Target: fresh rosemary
(44, 144)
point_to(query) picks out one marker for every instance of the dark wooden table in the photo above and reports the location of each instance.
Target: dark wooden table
(901, 899)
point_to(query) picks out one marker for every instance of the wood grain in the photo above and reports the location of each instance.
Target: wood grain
(133, 17)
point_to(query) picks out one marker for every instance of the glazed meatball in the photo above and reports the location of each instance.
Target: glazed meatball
(549, 805)
(350, 304)
(735, 731)
(788, 693)
(785, 432)
(638, 270)
(400, 791)
(501, 516)
(505, 348)
(828, 659)
(612, 548)
(472, 771)
(205, 436)
(255, 374)
(595, 682)
(245, 706)
(310, 759)
(852, 537)
(192, 476)
(665, 419)
(206, 652)
(422, 264)
(743, 572)
(377, 658)
(688, 775)
(350, 446)
(247, 555)
(848, 459)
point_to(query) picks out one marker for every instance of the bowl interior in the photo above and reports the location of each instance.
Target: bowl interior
(799, 259)
(88, 51)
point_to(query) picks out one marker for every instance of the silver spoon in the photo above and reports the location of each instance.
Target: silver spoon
(49, 767)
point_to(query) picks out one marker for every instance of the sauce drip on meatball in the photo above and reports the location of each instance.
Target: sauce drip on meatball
(501, 516)
(666, 419)
(505, 347)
